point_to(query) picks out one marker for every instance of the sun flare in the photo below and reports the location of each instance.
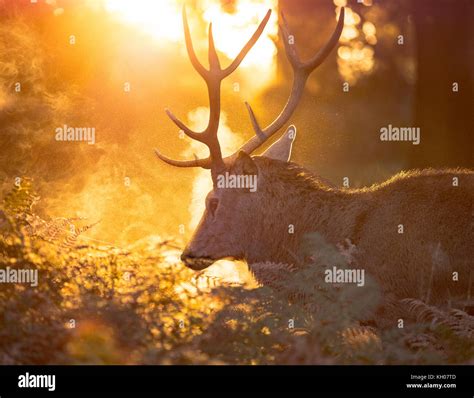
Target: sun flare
(232, 24)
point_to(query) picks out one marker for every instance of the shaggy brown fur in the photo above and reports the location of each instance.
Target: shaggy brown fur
(437, 218)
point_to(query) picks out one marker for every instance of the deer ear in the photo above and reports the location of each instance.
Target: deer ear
(281, 150)
(245, 164)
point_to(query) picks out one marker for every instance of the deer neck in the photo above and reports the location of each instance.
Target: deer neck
(331, 213)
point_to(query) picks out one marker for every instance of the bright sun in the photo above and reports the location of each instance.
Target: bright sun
(232, 25)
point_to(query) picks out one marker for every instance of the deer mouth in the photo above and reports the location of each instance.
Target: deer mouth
(197, 263)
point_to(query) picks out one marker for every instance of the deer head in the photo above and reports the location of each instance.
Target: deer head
(234, 219)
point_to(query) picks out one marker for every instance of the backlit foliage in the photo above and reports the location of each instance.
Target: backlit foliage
(138, 305)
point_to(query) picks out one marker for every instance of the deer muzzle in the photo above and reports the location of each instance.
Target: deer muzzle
(196, 263)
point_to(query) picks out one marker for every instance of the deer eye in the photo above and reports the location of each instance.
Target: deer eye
(213, 204)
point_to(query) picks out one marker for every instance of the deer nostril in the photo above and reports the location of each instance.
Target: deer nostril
(194, 262)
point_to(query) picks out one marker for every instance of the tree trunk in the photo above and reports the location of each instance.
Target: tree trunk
(444, 55)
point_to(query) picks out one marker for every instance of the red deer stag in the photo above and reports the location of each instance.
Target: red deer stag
(412, 231)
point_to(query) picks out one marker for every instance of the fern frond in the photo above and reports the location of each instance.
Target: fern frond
(461, 323)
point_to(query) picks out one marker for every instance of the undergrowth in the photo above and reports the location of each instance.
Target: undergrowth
(139, 305)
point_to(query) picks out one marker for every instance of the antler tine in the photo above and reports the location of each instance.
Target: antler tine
(322, 54)
(243, 53)
(204, 163)
(214, 63)
(301, 72)
(290, 49)
(190, 133)
(254, 121)
(190, 48)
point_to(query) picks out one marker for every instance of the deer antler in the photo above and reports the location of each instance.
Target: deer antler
(213, 78)
(301, 72)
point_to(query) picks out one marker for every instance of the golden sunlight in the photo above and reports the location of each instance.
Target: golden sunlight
(240, 23)
(224, 271)
(161, 19)
(232, 25)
